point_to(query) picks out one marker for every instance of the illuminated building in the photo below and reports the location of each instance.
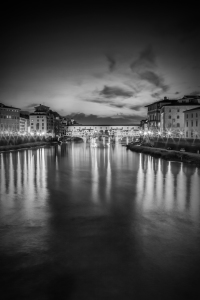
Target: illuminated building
(9, 119)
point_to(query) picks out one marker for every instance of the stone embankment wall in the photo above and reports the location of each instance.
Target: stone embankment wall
(173, 155)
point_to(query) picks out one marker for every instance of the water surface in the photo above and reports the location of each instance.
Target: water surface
(89, 223)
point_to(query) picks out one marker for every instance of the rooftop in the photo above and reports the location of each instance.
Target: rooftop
(193, 109)
(5, 106)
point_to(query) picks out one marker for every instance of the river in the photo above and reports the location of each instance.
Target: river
(98, 223)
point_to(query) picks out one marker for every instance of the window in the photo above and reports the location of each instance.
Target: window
(186, 124)
(186, 134)
(169, 110)
(178, 110)
(191, 115)
(196, 115)
(169, 117)
(178, 124)
(177, 117)
(192, 123)
(196, 122)
(191, 134)
(186, 116)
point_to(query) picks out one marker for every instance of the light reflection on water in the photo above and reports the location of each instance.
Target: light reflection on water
(107, 215)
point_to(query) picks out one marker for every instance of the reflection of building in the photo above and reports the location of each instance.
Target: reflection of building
(192, 123)
(9, 118)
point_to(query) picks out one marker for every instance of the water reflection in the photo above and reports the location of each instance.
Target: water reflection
(112, 221)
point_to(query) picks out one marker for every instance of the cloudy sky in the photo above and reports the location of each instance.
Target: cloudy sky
(99, 62)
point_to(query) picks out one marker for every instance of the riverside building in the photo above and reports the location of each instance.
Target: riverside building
(192, 123)
(103, 129)
(42, 121)
(153, 113)
(172, 115)
(9, 119)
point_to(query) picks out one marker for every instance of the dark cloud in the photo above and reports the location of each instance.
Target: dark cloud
(177, 93)
(154, 79)
(111, 62)
(155, 95)
(136, 107)
(118, 105)
(195, 93)
(146, 59)
(31, 106)
(98, 120)
(114, 91)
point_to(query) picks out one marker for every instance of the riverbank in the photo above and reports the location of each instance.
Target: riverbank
(26, 145)
(173, 155)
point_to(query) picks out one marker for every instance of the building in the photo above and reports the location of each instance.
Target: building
(23, 125)
(153, 113)
(172, 116)
(42, 121)
(144, 124)
(103, 129)
(192, 123)
(9, 119)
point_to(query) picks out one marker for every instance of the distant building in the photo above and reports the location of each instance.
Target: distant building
(24, 126)
(192, 123)
(9, 119)
(103, 129)
(42, 120)
(144, 124)
(153, 113)
(172, 116)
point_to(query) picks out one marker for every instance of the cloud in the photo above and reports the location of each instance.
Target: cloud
(146, 60)
(114, 91)
(154, 79)
(155, 95)
(100, 120)
(177, 93)
(195, 93)
(111, 62)
(136, 107)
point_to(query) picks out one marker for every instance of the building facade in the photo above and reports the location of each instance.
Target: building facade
(42, 121)
(192, 123)
(9, 119)
(153, 113)
(103, 129)
(172, 116)
(23, 125)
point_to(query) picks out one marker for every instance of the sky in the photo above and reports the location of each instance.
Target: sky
(99, 62)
